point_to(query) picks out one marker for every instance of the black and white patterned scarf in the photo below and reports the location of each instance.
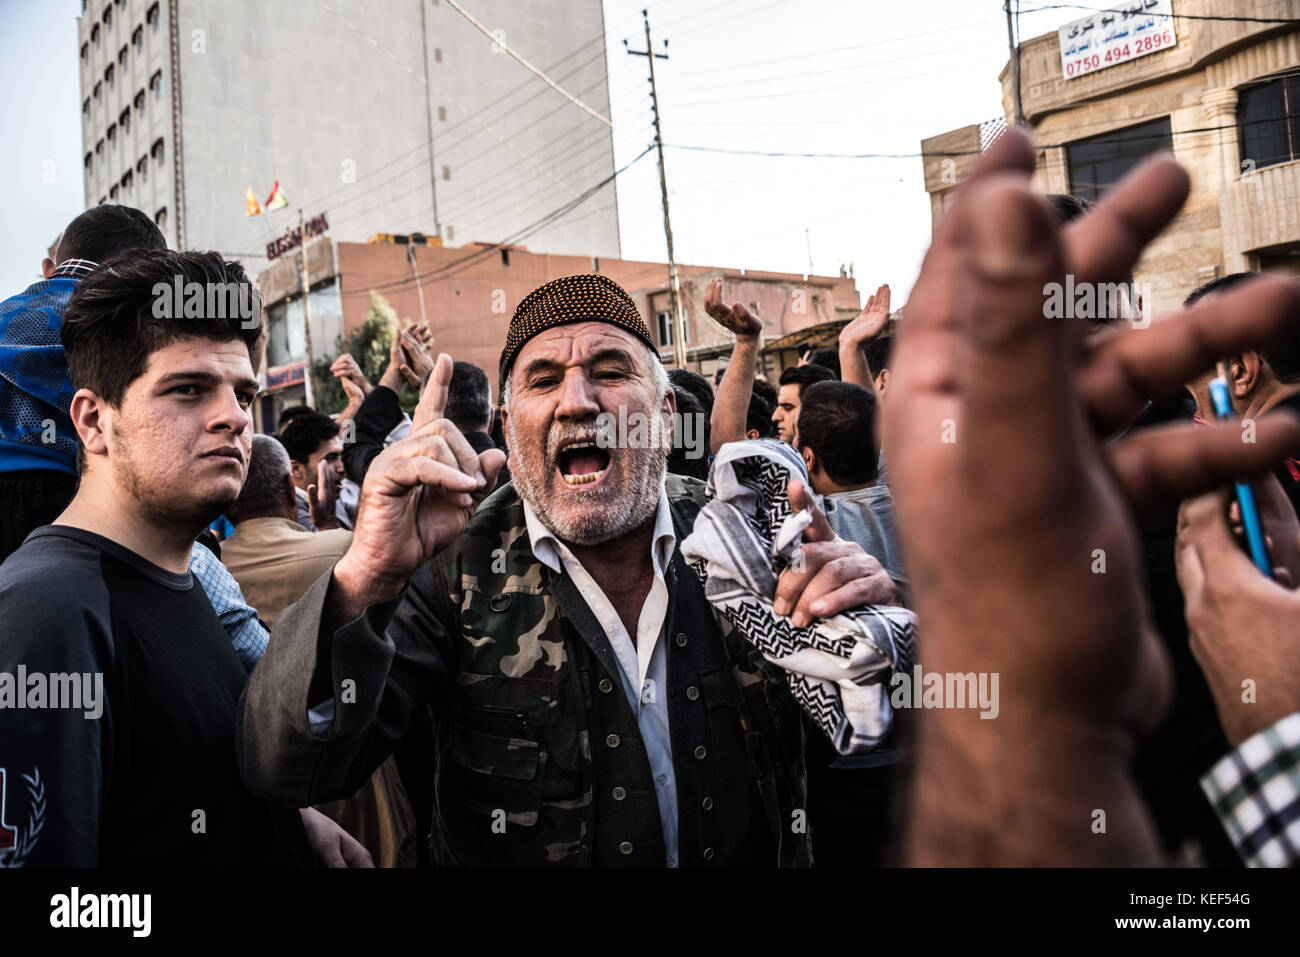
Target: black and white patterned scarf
(746, 535)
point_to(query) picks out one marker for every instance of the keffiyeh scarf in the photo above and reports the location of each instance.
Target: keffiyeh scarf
(746, 535)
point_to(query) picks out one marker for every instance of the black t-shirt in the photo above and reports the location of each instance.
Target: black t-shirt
(151, 779)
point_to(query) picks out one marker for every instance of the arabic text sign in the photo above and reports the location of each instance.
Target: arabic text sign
(1113, 36)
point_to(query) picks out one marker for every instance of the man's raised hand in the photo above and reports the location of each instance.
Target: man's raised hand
(871, 321)
(742, 323)
(418, 496)
(1015, 516)
(322, 496)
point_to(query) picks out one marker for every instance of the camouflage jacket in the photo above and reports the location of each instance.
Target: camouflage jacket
(494, 667)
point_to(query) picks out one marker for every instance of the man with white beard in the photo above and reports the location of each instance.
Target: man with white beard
(550, 653)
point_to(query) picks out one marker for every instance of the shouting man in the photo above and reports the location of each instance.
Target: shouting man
(587, 705)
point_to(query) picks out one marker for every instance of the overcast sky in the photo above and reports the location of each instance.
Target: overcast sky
(830, 76)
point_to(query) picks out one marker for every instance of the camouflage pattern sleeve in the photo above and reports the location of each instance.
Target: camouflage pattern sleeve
(393, 660)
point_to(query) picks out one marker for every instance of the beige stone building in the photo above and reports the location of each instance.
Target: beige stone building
(1225, 99)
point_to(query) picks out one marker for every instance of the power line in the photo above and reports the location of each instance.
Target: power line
(822, 54)
(1176, 16)
(1038, 146)
(500, 41)
(728, 20)
(677, 102)
(782, 77)
(466, 261)
(322, 198)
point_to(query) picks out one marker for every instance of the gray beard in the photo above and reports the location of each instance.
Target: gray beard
(647, 472)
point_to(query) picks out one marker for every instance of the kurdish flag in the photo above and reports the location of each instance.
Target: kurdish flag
(276, 199)
(251, 208)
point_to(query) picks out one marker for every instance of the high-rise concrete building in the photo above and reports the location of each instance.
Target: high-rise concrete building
(383, 115)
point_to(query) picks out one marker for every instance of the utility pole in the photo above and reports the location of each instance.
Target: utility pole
(808, 242)
(1014, 49)
(306, 305)
(410, 257)
(674, 286)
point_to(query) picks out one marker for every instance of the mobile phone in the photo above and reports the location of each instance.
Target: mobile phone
(1245, 494)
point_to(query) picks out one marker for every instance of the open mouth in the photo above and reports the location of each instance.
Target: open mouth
(582, 463)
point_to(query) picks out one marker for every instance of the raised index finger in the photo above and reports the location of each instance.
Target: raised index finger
(433, 400)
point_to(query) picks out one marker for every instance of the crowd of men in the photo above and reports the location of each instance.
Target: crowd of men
(487, 633)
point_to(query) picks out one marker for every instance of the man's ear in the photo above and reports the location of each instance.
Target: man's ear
(505, 429)
(92, 418)
(670, 401)
(809, 459)
(297, 471)
(291, 493)
(752, 434)
(1246, 372)
(882, 382)
(47, 267)
(669, 408)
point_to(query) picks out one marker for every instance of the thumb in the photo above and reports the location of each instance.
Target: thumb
(491, 463)
(800, 499)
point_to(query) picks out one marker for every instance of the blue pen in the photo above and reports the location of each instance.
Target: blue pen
(1245, 494)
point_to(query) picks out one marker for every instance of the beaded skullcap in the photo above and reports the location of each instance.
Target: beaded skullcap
(585, 298)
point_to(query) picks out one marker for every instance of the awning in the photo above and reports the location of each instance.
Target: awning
(815, 337)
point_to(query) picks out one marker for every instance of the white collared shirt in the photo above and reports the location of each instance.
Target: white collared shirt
(644, 666)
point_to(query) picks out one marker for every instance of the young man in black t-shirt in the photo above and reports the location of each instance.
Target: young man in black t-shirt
(119, 689)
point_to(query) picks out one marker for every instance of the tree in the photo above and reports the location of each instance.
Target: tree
(370, 345)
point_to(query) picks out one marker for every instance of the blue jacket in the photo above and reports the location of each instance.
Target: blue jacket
(35, 391)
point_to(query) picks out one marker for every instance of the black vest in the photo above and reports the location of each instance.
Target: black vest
(717, 762)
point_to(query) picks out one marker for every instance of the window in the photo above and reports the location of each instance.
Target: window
(103, 200)
(124, 120)
(160, 218)
(155, 83)
(89, 161)
(1268, 118)
(156, 151)
(108, 14)
(85, 51)
(437, 54)
(665, 328)
(139, 102)
(85, 108)
(1099, 162)
(151, 17)
(121, 57)
(442, 113)
(128, 181)
(137, 38)
(112, 134)
(94, 34)
(99, 148)
(109, 75)
(112, 191)
(142, 169)
(98, 87)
